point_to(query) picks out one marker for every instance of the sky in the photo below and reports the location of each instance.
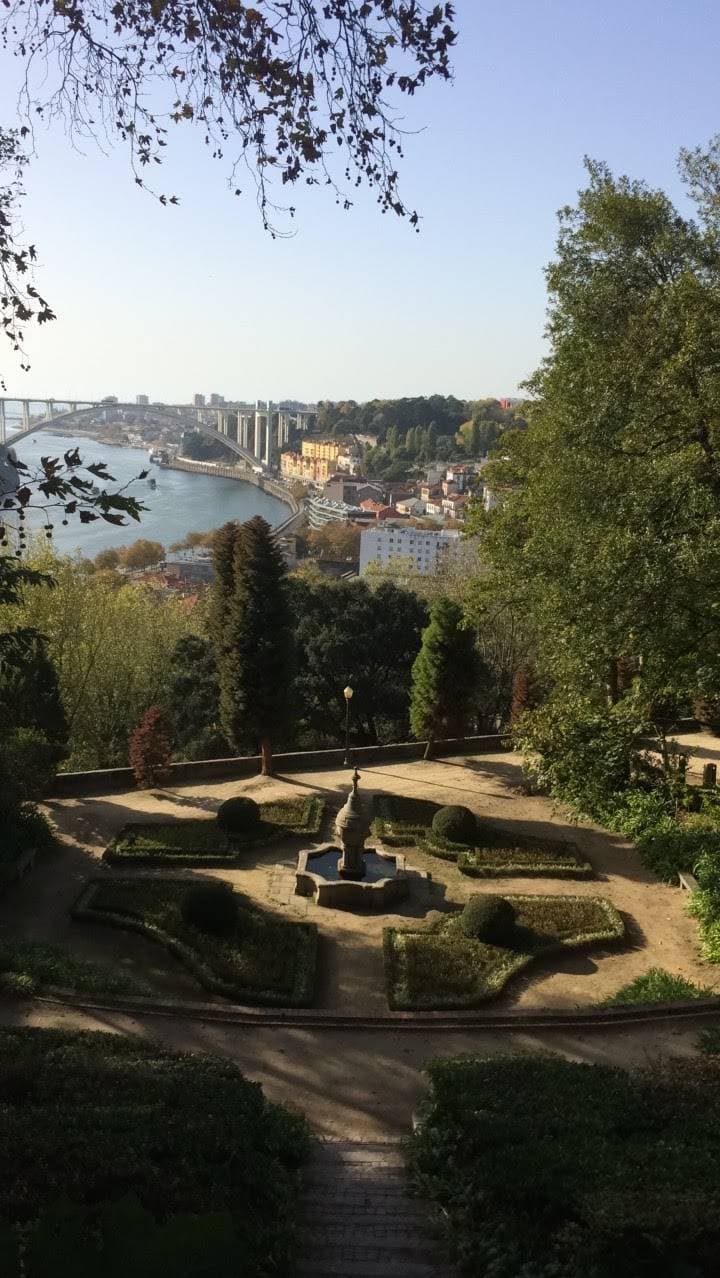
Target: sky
(169, 302)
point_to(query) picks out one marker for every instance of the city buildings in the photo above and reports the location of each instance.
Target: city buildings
(315, 463)
(427, 550)
(321, 511)
(199, 401)
(143, 400)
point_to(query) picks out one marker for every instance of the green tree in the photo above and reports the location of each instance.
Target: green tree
(192, 700)
(110, 645)
(249, 625)
(444, 676)
(607, 535)
(30, 692)
(347, 633)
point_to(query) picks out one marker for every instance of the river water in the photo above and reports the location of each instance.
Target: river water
(181, 502)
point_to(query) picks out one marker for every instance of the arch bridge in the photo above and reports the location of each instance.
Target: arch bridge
(251, 436)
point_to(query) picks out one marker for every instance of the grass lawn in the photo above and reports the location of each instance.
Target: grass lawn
(439, 967)
(543, 1166)
(402, 822)
(118, 1156)
(268, 960)
(658, 986)
(185, 842)
(27, 967)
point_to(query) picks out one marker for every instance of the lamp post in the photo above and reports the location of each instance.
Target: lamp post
(347, 693)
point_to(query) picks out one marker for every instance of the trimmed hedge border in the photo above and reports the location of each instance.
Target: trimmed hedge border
(400, 834)
(305, 971)
(393, 943)
(519, 870)
(268, 835)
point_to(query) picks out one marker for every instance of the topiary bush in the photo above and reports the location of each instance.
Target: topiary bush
(211, 907)
(488, 918)
(456, 824)
(238, 816)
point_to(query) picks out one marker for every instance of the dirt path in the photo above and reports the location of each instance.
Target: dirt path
(359, 1084)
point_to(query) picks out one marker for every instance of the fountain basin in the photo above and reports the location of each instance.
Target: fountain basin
(384, 883)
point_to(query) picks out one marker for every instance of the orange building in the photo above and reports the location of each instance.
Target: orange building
(315, 464)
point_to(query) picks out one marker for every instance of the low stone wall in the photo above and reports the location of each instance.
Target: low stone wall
(105, 780)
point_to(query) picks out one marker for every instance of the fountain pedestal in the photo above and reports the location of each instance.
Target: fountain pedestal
(352, 876)
(352, 827)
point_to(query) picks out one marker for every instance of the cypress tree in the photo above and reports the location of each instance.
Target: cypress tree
(444, 676)
(250, 628)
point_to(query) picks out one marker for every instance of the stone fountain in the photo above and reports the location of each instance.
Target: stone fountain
(352, 876)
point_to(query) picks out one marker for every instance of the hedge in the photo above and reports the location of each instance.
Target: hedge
(29, 966)
(270, 961)
(402, 822)
(193, 840)
(88, 1118)
(440, 968)
(544, 1168)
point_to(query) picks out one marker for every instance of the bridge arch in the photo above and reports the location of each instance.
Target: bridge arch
(184, 420)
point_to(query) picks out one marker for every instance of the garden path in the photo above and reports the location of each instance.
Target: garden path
(660, 932)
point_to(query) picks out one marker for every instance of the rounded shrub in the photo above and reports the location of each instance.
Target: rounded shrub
(488, 918)
(211, 907)
(456, 824)
(238, 816)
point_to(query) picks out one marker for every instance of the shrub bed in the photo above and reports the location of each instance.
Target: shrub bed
(658, 986)
(29, 966)
(546, 860)
(24, 832)
(265, 959)
(533, 1163)
(88, 1118)
(442, 968)
(202, 839)
(402, 822)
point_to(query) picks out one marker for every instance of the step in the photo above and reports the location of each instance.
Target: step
(392, 1236)
(356, 1213)
(370, 1269)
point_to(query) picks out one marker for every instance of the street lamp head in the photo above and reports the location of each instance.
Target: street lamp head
(347, 692)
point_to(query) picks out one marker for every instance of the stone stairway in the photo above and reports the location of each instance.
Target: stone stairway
(359, 1220)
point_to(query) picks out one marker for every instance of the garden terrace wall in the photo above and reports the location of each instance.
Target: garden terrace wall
(105, 780)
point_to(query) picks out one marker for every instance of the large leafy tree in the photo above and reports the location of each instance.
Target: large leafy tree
(607, 534)
(249, 624)
(445, 676)
(347, 633)
(110, 644)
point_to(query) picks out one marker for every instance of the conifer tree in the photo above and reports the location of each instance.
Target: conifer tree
(444, 676)
(250, 629)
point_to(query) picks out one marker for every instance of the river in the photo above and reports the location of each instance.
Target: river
(181, 502)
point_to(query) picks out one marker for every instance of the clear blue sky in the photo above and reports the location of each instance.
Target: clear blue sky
(169, 302)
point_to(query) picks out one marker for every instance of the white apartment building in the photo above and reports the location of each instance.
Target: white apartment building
(426, 549)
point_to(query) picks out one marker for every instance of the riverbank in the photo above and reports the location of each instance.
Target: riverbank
(265, 482)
